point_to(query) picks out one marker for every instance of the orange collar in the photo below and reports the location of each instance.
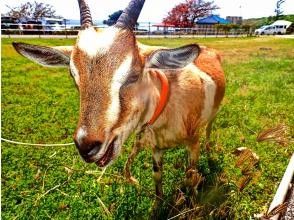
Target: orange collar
(163, 96)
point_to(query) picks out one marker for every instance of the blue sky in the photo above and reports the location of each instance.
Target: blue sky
(155, 10)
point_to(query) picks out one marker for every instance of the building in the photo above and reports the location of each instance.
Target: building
(235, 19)
(207, 25)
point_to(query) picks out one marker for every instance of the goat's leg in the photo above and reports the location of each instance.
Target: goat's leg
(192, 175)
(208, 133)
(130, 160)
(157, 173)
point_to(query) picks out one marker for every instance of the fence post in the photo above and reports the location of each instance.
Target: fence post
(65, 28)
(149, 29)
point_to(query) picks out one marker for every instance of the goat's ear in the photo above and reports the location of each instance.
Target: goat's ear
(173, 58)
(46, 56)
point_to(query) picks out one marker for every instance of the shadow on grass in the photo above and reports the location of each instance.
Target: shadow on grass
(214, 195)
(207, 201)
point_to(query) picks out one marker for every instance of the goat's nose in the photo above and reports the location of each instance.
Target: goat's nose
(88, 148)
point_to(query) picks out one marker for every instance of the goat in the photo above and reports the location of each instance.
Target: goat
(123, 84)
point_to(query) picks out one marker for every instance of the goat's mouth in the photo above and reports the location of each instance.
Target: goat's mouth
(108, 155)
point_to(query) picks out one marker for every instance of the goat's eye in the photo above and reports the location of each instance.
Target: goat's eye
(132, 79)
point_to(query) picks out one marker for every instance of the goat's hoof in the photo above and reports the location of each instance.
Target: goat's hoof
(193, 178)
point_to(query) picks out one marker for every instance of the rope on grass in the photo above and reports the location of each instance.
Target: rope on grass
(40, 145)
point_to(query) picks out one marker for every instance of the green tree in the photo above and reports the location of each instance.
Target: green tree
(218, 27)
(226, 28)
(247, 28)
(235, 28)
(112, 18)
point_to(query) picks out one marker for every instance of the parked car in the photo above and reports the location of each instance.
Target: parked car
(8, 23)
(278, 27)
(53, 24)
(45, 24)
(261, 30)
(32, 25)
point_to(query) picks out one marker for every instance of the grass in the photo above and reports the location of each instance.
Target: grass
(40, 105)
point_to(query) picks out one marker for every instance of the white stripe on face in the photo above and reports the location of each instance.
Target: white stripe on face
(81, 134)
(74, 72)
(93, 42)
(118, 79)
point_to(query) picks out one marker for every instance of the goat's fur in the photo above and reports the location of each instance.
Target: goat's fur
(119, 91)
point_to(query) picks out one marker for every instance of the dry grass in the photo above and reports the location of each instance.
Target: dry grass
(277, 134)
(247, 161)
(277, 210)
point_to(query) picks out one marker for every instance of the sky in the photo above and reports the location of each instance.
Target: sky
(155, 10)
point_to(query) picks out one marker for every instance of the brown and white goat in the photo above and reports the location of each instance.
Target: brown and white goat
(117, 79)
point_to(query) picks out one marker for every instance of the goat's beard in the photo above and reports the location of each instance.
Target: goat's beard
(123, 133)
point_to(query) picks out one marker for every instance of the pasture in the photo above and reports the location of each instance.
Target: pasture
(41, 105)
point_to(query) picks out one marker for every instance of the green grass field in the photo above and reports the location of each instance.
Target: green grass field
(40, 105)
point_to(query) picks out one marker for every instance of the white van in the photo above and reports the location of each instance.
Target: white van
(278, 27)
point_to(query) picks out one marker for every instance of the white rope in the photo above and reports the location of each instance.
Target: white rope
(42, 145)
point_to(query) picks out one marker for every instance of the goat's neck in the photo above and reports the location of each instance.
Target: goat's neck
(152, 97)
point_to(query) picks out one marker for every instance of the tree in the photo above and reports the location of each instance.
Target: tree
(112, 18)
(218, 28)
(185, 14)
(225, 27)
(278, 9)
(247, 28)
(235, 28)
(30, 10)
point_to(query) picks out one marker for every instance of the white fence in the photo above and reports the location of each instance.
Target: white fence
(144, 30)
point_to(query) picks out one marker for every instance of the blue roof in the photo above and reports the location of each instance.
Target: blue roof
(212, 19)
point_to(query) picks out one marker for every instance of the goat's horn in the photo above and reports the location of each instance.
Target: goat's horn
(129, 17)
(85, 14)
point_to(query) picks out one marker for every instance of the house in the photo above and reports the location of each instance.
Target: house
(212, 20)
(207, 25)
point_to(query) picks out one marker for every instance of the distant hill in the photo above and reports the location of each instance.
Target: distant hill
(258, 22)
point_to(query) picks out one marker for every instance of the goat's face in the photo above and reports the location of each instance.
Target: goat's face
(108, 73)
(107, 69)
